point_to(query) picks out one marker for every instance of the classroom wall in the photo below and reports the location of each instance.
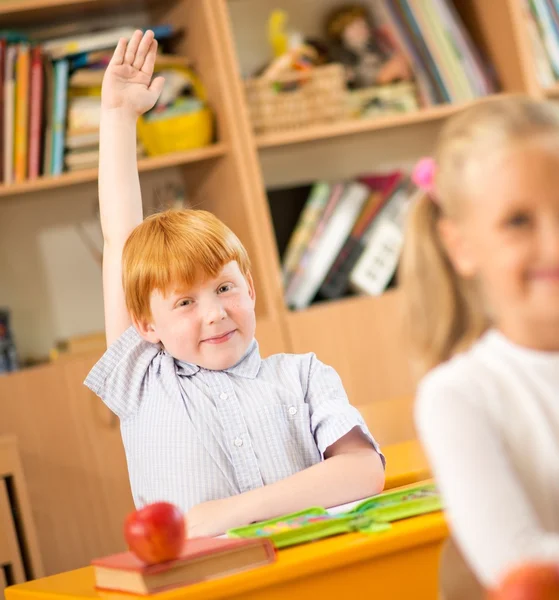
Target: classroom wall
(49, 279)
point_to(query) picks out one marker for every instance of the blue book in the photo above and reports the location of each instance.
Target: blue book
(61, 69)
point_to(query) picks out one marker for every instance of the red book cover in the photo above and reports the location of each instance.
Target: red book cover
(194, 548)
(2, 71)
(36, 112)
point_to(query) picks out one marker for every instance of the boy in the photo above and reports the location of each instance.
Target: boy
(206, 423)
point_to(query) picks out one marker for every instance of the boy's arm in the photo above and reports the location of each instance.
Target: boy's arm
(353, 470)
(127, 92)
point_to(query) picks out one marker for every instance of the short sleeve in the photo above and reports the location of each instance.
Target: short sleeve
(120, 377)
(332, 416)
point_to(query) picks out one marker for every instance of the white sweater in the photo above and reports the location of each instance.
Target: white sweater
(489, 422)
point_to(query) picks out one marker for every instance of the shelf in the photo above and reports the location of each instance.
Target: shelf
(23, 12)
(89, 175)
(310, 134)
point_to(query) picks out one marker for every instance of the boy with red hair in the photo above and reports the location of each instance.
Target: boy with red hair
(207, 424)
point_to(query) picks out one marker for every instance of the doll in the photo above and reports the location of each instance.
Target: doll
(354, 44)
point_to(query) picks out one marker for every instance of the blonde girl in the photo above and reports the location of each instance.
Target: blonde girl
(480, 275)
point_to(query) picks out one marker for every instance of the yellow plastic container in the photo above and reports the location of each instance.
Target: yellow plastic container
(183, 132)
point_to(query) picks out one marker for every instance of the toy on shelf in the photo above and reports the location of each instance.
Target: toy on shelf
(378, 76)
(181, 119)
(355, 44)
(296, 88)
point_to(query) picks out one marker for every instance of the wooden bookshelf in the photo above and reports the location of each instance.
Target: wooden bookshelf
(31, 12)
(88, 175)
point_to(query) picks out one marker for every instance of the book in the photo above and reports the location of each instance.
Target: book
(35, 113)
(378, 262)
(298, 276)
(202, 559)
(330, 243)
(336, 281)
(21, 112)
(9, 112)
(48, 113)
(3, 49)
(59, 121)
(308, 220)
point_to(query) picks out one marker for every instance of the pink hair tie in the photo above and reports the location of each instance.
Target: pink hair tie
(423, 175)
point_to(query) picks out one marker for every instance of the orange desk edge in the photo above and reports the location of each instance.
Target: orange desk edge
(405, 465)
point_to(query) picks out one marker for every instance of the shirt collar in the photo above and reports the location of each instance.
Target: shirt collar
(247, 367)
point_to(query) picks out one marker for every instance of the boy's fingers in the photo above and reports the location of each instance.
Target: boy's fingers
(149, 62)
(132, 48)
(143, 49)
(118, 55)
(156, 86)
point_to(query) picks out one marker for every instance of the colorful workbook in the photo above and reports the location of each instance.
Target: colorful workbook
(373, 515)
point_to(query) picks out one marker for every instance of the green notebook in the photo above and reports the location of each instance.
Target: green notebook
(373, 515)
(401, 504)
(306, 526)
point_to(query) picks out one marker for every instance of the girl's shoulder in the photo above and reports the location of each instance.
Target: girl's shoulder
(468, 379)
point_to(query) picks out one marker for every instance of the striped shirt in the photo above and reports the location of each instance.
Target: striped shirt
(193, 435)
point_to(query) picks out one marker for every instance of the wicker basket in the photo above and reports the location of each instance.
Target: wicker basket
(308, 98)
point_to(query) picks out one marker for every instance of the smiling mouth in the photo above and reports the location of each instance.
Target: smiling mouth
(548, 274)
(220, 339)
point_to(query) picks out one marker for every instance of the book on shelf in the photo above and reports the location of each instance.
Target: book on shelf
(355, 248)
(329, 244)
(382, 186)
(50, 102)
(542, 23)
(202, 559)
(447, 65)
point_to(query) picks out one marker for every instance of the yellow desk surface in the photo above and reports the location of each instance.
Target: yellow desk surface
(405, 463)
(399, 563)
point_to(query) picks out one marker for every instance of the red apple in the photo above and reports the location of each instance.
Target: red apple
(538, 581)
(156, 533)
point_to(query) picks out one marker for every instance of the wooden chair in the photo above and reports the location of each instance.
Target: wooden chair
(456, 580)
(19, 552)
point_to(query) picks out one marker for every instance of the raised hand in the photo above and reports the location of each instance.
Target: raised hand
(127, 83)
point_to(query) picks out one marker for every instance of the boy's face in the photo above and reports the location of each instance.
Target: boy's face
(210, 324)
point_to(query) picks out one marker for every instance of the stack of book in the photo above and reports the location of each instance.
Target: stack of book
(50, 100)
(348, 238)
(448, 67)
(542, 20)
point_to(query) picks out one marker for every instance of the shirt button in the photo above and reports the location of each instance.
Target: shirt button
(223, 396)
(292, 411)
(238, 442)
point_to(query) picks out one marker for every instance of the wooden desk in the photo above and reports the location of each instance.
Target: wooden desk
(400, 563)
(405, 463)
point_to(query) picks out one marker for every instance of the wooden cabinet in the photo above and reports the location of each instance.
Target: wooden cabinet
(20, 559)
(73, 459)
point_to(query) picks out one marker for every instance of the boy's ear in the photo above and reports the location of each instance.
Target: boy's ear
(146, 330)
(458, 249)
(251, 290)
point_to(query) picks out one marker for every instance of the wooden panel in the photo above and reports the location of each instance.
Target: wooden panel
(9, 546)
(494, 27)
(270, 337)
(362, 339)
(73, 460)
(390, 420)
(11, 467)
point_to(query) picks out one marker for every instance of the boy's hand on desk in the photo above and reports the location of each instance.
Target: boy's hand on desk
(216, 517)
(127, 81)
